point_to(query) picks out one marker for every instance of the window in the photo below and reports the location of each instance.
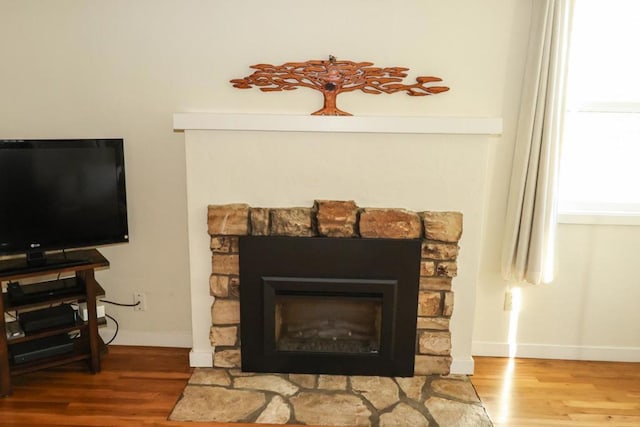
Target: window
(600, 165)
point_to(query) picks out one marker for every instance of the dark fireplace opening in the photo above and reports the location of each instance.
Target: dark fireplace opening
(328, 323)
(325, 305)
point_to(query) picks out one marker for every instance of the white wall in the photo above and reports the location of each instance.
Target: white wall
(590, 310)
(88, 68)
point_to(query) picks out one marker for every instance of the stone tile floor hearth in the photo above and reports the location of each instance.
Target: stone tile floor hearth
(229, 395)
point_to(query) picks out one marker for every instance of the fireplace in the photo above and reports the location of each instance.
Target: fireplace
(329, 306)
(323, 261)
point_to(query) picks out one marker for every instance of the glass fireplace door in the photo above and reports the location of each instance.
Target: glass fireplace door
(328, 323)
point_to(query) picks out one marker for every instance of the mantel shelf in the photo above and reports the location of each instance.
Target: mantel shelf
(353, 124)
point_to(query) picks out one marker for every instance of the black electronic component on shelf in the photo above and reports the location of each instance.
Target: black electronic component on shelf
(38, 292)
(41, 348)
(46, 318)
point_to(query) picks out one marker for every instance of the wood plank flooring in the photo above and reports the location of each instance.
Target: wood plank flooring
(138, 386)
(534, 392)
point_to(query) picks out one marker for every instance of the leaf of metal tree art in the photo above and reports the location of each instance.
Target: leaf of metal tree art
(333, 77)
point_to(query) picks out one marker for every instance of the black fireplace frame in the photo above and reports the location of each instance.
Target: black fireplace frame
(389, 268)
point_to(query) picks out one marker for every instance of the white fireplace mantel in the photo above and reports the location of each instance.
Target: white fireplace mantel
(352, 124)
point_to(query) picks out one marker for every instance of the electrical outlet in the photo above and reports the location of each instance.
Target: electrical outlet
(508, 300)
(142, 299)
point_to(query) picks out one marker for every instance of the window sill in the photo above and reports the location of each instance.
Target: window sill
(599, 218)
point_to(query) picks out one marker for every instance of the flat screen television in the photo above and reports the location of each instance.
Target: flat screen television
(59, 194)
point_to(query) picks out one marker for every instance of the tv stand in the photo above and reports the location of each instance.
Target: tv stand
(88, 345)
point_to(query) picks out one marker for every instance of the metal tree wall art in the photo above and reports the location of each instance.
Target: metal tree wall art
(333, 77)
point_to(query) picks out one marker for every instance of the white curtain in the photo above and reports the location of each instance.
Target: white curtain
(528, 250)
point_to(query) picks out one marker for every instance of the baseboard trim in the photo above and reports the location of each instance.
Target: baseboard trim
(150, 339)
(462, 365)
(546, 351)
(201, 359)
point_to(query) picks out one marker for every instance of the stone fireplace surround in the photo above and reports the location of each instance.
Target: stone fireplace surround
(440, 233)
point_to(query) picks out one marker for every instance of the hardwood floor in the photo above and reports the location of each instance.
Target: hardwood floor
(534, 392)
(138, 386)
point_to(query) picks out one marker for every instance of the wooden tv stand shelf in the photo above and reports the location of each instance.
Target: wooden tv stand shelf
(86, 346)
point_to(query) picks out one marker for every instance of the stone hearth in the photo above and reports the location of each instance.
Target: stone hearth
(229, 395)
(439, 231)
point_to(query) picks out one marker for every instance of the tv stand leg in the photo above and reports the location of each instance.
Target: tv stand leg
(5, 373)
(94, 339)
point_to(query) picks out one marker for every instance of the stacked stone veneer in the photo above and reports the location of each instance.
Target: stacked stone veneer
(439, 231)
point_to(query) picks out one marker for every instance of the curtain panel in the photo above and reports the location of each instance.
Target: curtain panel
(528, 251)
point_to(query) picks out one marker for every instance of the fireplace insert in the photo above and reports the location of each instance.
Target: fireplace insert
(328, 305)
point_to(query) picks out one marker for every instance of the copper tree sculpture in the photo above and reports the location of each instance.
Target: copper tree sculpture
(333, 77)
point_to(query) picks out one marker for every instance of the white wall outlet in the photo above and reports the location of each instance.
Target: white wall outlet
(141, 298)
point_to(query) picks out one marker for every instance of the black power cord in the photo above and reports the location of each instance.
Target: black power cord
(115, 334)
(119, 303)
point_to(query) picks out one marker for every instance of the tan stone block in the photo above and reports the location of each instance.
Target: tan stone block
(330, 409)
(435, 283)
(303, 380)
(277, 412)
(219, 286)
(291, 222)
(403, 415)
(332, 382)
(228, 220)
(225, 264)
(229, 358)
(436, 343)
(448, 304)
(427, 268)
(457, 389)
(440, 251)
(446, 412)
(234, 287)
(223, 335)
(390, 223)
(412, 386)
(336, 218)
(239, 373)
(437, 323)
(195, 405)
(225, 312)
(259, 221)
(447, 269)
(210, 376)
(381, 392)
(224, 244)
(432, 365)
(429, 303)
(272, 383)
(442, 226)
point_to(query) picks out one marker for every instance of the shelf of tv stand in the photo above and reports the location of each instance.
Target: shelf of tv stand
(52, 299)
(76, 355)
(16, 268)
(88, 345)
(80, 324)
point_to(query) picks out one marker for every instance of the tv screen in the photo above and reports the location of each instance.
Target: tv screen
(61, 194)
